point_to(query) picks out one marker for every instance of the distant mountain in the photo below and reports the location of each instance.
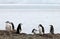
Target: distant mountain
(29, 1)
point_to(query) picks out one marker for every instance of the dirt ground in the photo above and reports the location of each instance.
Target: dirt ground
(6, 35)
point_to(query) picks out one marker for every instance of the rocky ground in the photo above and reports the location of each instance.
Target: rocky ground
(6, 35)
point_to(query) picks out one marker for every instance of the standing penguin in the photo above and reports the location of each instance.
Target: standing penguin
(19, 28)
(8, 26)
(51, 29)
(41, 29)
(12, 26)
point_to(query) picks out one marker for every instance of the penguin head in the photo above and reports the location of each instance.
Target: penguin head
(34, 29)
(7, 22)
(40, 25)
(50, 25)
(20, 23)
(11, 22)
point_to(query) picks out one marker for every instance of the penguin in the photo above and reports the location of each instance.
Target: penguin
(12, 26)
(41, 29)
(34, 31)
(19, 29)
(8, 26)
(51, 29)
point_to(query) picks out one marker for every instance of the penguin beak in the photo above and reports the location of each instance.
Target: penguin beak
(21, 23)
(49, 25)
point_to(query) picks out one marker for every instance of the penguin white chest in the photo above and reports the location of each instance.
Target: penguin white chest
(8, 27)
(20, 31)
(40, 30)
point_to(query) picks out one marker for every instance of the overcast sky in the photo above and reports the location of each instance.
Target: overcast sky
(30, 13)
(29, 1)
(31, 18)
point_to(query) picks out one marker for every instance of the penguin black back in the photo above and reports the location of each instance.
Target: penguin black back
(33, 30)
(18, 28)
(42, 28)
(51, 29)
(12, 25)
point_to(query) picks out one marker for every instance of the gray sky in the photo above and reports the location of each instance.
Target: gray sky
(29, 1)
(31, 13)
(31, 18)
